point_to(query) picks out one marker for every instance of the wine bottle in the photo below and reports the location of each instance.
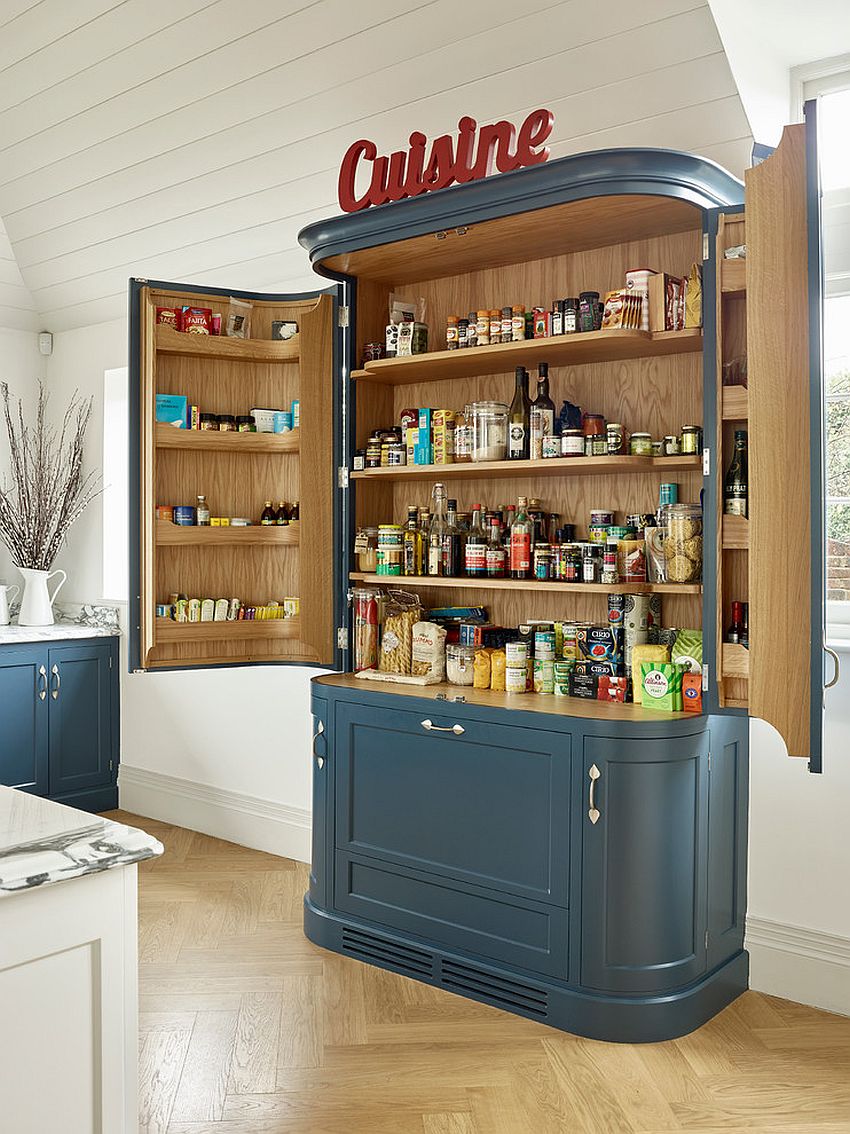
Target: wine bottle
(452, 562)
(475, 549)
(495, 556)
(436, 530)
(521, 542)
(735, 484)
(542, 418)
(518, 418)
(736, 626)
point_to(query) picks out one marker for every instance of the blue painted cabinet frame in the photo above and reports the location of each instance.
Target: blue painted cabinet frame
(59, 720)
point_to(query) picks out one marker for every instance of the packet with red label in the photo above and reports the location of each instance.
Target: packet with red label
(168, 316)
(692, 692)
(195, 320)
(612, 689)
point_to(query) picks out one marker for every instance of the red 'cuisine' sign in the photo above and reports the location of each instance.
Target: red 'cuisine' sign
(450, 160)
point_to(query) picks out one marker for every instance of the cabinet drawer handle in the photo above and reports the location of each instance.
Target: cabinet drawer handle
(54, 692)
(319, 735)
(42, 681)
(593, 811)
(837, 663)
(457, 729)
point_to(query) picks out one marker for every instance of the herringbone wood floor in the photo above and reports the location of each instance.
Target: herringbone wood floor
(247, 1028)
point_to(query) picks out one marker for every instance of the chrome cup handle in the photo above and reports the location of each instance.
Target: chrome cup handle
(429, 726)
(837, 664)
(593, 812)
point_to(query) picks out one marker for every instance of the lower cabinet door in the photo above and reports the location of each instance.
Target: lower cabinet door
(470, 919)
(472, 801)
(23, 718)
(80, 701)
(644, 863)
(319, 865)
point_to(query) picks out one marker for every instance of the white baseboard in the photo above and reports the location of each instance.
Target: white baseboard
(245, 819)
(799, 964)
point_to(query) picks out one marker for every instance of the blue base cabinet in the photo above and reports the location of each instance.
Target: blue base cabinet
(59, 720)
(587, 873)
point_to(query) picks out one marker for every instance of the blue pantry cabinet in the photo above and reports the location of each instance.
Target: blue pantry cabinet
(59, 710)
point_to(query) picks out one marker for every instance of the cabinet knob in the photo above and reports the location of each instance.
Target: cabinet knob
(429, 726)
(593, 812)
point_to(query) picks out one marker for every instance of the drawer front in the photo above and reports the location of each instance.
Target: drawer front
(503, 927)
(488, 805)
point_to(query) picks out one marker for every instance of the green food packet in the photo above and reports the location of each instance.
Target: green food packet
(661, 686)
(687, 650)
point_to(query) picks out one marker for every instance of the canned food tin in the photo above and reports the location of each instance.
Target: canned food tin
(572, 443)
(561, 678)
(601, 517)
(165, 512)
(544, 675)
(516, 654)
(640, 445)
(668, 494)
(515, 679)
(544, 644)
(184, 515)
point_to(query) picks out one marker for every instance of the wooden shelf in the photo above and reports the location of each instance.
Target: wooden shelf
(736, 533)
(525, 702)
(733, 277)
(561, 350)
(167, 630)
(175, 535)
(530, 586)
(553, 466)
(211, 441)
(735, 406)
(735, 703)
(169, 341)
(736, 661)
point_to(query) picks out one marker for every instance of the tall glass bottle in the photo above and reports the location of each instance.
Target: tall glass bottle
(452, 562)
(475, 551)
(735, 485)
(521, 542)
(518, 418)
(542, 413)
(424, 530)
(411, 557)
(436, 530)
(496, 556)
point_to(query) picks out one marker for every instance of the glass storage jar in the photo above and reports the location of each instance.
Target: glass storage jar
(459, 663)
(683, 543)
(489, 431)
(366, 550)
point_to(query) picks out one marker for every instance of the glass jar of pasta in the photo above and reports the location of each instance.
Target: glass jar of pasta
(683, 543)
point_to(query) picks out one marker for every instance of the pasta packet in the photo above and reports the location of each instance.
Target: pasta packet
(401, 613)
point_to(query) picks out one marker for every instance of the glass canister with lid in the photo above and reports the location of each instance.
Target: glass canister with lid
(489, 431)
(683, 543)
(366, 550)
(459, 664)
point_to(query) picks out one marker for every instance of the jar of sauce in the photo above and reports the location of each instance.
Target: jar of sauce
(640, 445)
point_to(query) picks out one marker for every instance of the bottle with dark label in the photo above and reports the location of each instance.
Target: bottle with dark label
(282, 515)
(475, 549)
(437, 530)
(745, 625)
(518, 418)
(521, 542)
(411, 554)
(495, 556)
(452, 561)
(294, 513)
(269, 516)
(542, 417)
(736, 626)
(202, 513)
(736, 483)
(424, 530)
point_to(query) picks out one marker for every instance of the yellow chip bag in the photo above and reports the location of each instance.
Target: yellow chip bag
(497, 670)
(481, 670)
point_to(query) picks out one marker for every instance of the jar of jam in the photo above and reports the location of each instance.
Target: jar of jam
(397, 453)
(572, 443)
(672, 446)
(245, 424)
(640, 445)
(373, 451)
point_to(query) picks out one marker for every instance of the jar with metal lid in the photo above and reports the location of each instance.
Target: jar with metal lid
(482, 328)
(451, 332)
(595, 445)
(692, 439)
(672, 446)
(591, 563)
(389, 438)
(683, 543)
(472, 329)
(245, 424)
(390, 538)
(571, 316)
(616, 438)
(517, 324)
(459, 664)
(463, 333)
(495, 326)
(542, 568)
(373, 351)
(489, 431)
(658, 448)
(572, 443)
(640, 444)
(227, 423)
(209, 421)
(397, 453)
(373, 451)
(366, 550)
(359, 462)
(592, 424)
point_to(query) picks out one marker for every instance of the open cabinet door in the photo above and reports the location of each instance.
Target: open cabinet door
(292, 564)
(786, 444)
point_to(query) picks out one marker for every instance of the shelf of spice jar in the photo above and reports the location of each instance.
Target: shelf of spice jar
(736, 533)
(527, 585)
(735, 661)
(216, 441)
(733, 276)
(255, 535)
(735, 403)
(550, 466)
(167, 630)
(559, 350)
(169, 341)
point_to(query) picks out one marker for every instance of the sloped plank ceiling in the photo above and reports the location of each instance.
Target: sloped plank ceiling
(192, 140)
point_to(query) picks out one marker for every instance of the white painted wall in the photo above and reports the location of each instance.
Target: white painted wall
(21, 366)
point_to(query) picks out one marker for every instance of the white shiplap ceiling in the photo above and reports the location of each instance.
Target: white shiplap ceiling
(191, 140)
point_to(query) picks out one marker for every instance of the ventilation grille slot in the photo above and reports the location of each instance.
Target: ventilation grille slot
(378, 950)
(511, 994)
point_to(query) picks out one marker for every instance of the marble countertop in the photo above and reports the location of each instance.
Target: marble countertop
(72, 621)
(44, 842)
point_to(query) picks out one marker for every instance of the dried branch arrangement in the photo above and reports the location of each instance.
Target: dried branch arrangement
(45, 490)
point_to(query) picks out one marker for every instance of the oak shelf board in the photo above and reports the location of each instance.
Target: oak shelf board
(558, 350)
(169, 341)
(212, 441)
(735, 533)
(736, 703)
(735, 403)
(735, 660)
(733, 277)
(527, 702)
(552, 466)
(528, 585)
(167, 630)
(176, 535)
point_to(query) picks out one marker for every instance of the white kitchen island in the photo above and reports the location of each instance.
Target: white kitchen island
(68, 968)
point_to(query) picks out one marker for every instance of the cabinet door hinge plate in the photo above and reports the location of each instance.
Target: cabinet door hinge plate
(709, 761)
(705, 678)
(342, 476)
(705, 246)
(342, 637)
(344, 315)
(706, 939)
(706, 462)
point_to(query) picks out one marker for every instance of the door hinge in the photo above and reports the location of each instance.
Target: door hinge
(139, 279)
(706, 462)
(342, 637)
(110, 663)
(705, 678)
(709, 761)
(706, 939)
(342, 476)
(111, 765)
(344, 315)
(705, 246)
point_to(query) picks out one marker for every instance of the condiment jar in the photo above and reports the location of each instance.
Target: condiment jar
(451, 332)
(227, 423)
(692, 439)
(210, 421)
(640, 444)
(366, 550)
(572, 443)
(459, 664)
(616, 438)
(542, 569)
(489, 431)
(592, 424)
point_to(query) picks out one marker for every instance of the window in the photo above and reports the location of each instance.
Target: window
(116, 487)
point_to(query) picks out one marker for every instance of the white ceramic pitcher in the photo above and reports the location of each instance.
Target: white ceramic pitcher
(37, 603)
(6, 602)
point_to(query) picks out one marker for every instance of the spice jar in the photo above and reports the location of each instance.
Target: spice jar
(489, 431)
(459, 663)
(589, 318)
(518, 324)
(210, 421)
(482, 328)
(495, 326)
(640, 445)
(571, 319)
(472, 329)
(591, 563)
(366, 550)
(227, 423)
(463, 333)
(507, 324)
(683, 543)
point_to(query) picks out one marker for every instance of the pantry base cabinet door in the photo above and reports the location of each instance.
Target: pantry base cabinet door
(23, 718)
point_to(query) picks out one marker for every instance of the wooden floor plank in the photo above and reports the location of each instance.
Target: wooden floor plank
(161, 1056)
(203, 1083)
(253, 1066)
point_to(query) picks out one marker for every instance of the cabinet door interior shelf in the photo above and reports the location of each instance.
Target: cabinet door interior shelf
(736, 533)
(733, 277)
(167, 630)
(175, 535)
(529, 586)
(736, 660)
(735, 403)
(500, 358)
(211, 440)
(169, 341)
(551, 467)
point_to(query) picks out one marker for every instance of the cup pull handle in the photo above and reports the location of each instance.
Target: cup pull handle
(319, 736)
(837, 664)
(593, 811)
(54, 692)
(42, 683)
(429, 726)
